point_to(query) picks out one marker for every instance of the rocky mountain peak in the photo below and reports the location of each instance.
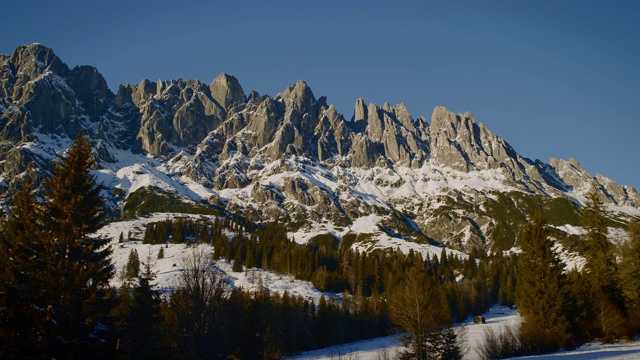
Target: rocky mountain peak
(360, 112)
(288, 157)
(298, 96)
(44, 94)
(35, 59)
(443, 119)
(91, 89)
(404, 116)
(226, 90)
(581, 181)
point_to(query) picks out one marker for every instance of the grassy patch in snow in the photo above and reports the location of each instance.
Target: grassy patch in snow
(150, 200)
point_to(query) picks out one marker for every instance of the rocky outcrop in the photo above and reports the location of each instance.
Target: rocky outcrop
(264, 121)
(174, 114)
(288, 157)
(620, 194)
(573, 174)
(365, 153)
(580, 181)
(91, 90)
(391, 133)
(42, 93)
(460, 143)
(226, 91)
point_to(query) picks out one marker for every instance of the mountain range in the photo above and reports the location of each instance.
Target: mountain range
(389, 178)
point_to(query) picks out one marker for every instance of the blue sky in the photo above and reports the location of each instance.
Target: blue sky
(553, 78)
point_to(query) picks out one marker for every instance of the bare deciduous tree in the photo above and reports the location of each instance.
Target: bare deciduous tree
(195, 320)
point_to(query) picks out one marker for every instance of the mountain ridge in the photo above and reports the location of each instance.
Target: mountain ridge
(289, 157)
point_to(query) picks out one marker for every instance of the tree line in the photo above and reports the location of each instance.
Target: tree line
(331, 265)
(376, 286)
(205, 318)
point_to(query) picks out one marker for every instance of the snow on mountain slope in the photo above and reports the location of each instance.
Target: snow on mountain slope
(299, 187)
(168, 269)
(290, 158)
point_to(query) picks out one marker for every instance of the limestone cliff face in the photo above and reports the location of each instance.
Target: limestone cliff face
(40, 92)
(41, 97)
(391, 133)
(227, 92)
(580, 181)
(173, 114)
(290, 157)
(460, 143)
(165, 117)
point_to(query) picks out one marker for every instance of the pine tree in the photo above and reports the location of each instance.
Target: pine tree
(21, 298)
(80, 263)
(629, 270)
(161, 253)
(602, 270)
(444, 343)
(58, 273)
(237, 262)
(145, 319)
(120, 313)
(542, 295)
(133, 265)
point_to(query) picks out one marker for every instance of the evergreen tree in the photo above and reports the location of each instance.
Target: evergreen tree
(542, 296)
(120, 314)
(237, 262)
(629, 274)
(444, 343)
(602, 270)
(132, 269)
(24, 276)
(80, 264)
(145, 317)
(161, 253)
(58, 273)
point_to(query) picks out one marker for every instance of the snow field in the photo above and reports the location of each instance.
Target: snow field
(169, 268)
(496, 318)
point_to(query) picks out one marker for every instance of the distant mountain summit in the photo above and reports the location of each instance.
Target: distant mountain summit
(290, 158)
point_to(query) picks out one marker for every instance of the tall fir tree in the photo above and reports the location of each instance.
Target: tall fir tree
(58, 273)
(132, 270)
(22, 253)
(602, 270)
(629, 270)
(80, 264)
(143, 323)
(542, 294)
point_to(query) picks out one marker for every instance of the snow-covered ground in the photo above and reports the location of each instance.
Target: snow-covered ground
(496, 318)
(168, 269)
(377, 239)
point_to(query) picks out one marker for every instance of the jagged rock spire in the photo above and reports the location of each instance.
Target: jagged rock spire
(226, 90)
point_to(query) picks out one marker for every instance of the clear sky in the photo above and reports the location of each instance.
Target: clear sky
(553, 78)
